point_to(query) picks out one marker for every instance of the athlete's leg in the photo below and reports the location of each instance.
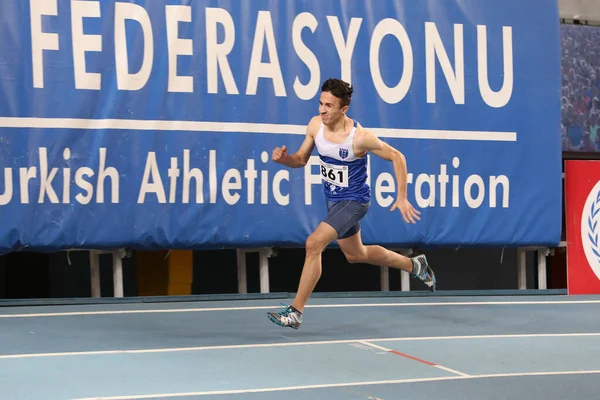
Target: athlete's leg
(311, 272)
(341, 217)
(291, 316)
(356, 252)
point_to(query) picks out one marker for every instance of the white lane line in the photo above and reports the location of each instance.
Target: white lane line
(451, 370)
(290, 344)
(343, 384)
(247, 308)
(431, 364)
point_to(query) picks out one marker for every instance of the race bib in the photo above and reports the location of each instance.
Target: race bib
(334, 174)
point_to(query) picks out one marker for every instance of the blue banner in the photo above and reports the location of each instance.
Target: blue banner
(147, 124)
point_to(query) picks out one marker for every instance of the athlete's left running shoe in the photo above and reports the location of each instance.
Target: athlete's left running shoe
(425, 272)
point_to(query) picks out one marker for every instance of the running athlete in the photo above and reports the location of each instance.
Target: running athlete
(343, 144)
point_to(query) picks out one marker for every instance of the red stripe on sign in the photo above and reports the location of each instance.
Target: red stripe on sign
(412, 358)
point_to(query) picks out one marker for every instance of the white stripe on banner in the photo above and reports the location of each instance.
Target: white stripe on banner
(240, 127)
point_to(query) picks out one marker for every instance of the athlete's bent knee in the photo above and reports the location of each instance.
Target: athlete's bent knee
(355, 258)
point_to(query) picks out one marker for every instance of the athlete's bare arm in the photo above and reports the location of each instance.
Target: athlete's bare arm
(301, 157)
(365, 141)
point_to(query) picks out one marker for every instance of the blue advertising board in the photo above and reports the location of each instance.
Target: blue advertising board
(148, 124)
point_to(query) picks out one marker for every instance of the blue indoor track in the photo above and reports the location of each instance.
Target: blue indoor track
(451, 348)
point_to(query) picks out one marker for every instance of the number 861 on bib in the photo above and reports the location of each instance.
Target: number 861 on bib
(335, 174)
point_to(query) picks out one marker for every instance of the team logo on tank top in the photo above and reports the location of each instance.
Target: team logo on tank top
(343, 153)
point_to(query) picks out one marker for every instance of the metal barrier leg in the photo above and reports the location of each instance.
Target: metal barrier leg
(241, 271)
(522, 262)
(95, 273)
(385, 279)
(117, 273)
(264, 255)
(263, 260)
(405, 281)
(542, 253)
(542, 280)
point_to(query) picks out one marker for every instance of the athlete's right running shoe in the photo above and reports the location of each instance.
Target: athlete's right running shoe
(425, 272)
(288, 317)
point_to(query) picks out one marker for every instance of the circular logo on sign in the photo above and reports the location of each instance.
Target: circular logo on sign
(590, 229)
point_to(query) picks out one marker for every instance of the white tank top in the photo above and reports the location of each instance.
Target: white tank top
(344, 175)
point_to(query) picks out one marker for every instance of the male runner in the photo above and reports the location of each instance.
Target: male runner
(343, 144)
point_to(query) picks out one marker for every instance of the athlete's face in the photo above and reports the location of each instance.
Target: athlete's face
(330, 108)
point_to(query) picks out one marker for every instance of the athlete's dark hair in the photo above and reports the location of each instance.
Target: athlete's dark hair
(340, 89)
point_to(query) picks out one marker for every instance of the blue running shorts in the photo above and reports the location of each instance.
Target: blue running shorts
(345, 215)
